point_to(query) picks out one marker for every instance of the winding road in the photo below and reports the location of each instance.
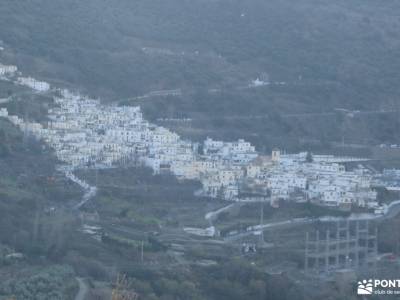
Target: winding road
(90, 191)
(83, 289)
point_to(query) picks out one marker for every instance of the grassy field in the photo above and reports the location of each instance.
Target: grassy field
(136, 195)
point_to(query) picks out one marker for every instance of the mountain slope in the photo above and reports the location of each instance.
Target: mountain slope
(330, 54)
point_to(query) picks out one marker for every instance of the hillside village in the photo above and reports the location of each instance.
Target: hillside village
(86, 134)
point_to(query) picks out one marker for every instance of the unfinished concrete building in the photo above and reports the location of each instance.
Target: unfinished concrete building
(345, 245)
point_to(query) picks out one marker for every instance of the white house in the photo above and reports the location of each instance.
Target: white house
(3, 112)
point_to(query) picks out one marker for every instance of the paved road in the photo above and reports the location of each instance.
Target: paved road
(83, 289)
(90, 191)
(391, 211)
(213, 215)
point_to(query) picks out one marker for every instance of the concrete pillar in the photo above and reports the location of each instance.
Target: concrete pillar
(375, 254)
(347, 263)
(306, 253)
(327, 251)
(337, 247)
(317, 251)
(367, 255)
(357, 244)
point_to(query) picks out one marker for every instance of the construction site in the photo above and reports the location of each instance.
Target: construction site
(348, 244)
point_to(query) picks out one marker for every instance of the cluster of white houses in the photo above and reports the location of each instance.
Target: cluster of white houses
(32, 83)
(12, 71)
(84, 133)
(7, 70)
(318, 178)
(390, 179)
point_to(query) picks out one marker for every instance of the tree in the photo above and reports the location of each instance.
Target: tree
(122, 290)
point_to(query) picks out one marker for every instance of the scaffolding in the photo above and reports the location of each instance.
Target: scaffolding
(345, 245)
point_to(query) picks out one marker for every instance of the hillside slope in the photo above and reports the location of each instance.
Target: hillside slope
(329, 54)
